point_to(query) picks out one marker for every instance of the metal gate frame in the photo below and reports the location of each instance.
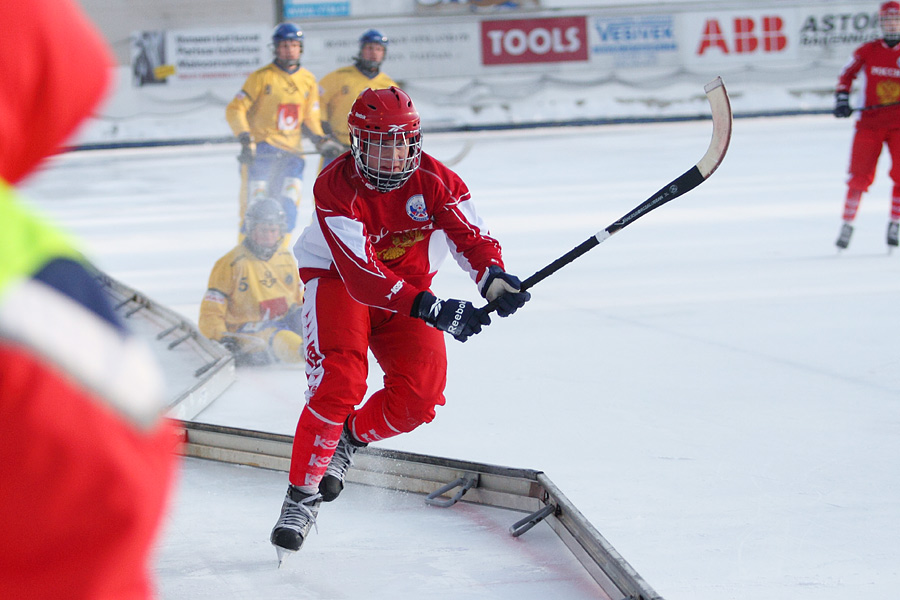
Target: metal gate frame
(444, 481)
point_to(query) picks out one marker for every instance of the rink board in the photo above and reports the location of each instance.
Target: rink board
(438, 481)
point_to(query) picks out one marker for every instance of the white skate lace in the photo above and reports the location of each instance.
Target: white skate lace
(342, 459)
(299, 515)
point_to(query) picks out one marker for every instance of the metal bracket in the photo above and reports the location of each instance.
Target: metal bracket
(523, 525)
(464, 483)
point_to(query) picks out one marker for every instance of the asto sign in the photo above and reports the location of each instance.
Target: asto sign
(561, 39)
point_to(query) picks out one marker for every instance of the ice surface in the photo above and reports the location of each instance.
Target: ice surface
(714, 387)
(372, 543)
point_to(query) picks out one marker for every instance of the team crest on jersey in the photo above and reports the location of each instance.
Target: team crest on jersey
(415, 208)
(288, 117)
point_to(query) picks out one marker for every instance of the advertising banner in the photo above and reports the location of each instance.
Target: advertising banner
(180, 56)
(789, 37)
(835, 32)
(739, 38)
(640, 41)
(523, 41)
(299, 9)
(415, 49)
(780, 42)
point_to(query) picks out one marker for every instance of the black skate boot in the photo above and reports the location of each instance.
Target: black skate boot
(333, 482)
(892, 234)
(844, 238)
(298, 515)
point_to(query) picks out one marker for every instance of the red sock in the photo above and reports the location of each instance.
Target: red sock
(851, 204)
(314, 444)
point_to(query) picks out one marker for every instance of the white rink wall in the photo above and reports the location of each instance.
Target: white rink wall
(547, 62)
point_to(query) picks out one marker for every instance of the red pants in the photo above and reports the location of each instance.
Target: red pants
(339, 333)
(866, 149)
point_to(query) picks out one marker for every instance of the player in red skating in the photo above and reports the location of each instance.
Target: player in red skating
(385, 214)
(879, 63)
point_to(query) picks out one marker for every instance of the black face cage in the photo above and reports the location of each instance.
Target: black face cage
(257, 216)
(374, 150)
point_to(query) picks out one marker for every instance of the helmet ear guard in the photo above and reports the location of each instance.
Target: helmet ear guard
(385, 137)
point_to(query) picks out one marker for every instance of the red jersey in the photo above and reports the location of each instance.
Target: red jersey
(387, 246)
(880, 68)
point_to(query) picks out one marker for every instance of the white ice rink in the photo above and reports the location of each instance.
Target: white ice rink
(714, 387)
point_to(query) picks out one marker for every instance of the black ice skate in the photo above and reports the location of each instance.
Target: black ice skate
(844, 238)
(892, 234)
(333, 481)
(298, 515)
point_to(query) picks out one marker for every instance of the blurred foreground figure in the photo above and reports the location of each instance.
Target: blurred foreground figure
(86, 461)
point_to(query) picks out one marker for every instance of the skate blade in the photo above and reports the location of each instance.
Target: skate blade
(282, 554)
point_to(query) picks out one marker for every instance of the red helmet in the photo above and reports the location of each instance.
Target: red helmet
(385, 137)
(889, 17)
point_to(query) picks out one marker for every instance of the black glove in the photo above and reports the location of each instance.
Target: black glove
(503, 288)
(246, 155)
(231, 344)
(459, 318)
(842, 108)
(329, 149)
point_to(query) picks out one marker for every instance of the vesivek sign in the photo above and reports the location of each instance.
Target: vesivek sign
(562, 39)
(642, 36)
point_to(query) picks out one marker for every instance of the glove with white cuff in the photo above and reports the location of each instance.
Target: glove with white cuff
(498, 285)
(842, 108)
(459, 318)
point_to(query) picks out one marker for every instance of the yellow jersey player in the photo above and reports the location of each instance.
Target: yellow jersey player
(252, 304)
(273, 108)
(339, 89)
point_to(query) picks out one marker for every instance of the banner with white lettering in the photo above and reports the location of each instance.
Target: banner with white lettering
(530, 41)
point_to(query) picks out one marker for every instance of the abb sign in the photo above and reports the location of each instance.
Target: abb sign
(560, 39)
(743, 35)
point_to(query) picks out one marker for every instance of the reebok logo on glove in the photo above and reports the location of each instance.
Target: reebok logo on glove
(453, 328)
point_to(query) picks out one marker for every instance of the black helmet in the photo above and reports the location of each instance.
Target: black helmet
(264, 211)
